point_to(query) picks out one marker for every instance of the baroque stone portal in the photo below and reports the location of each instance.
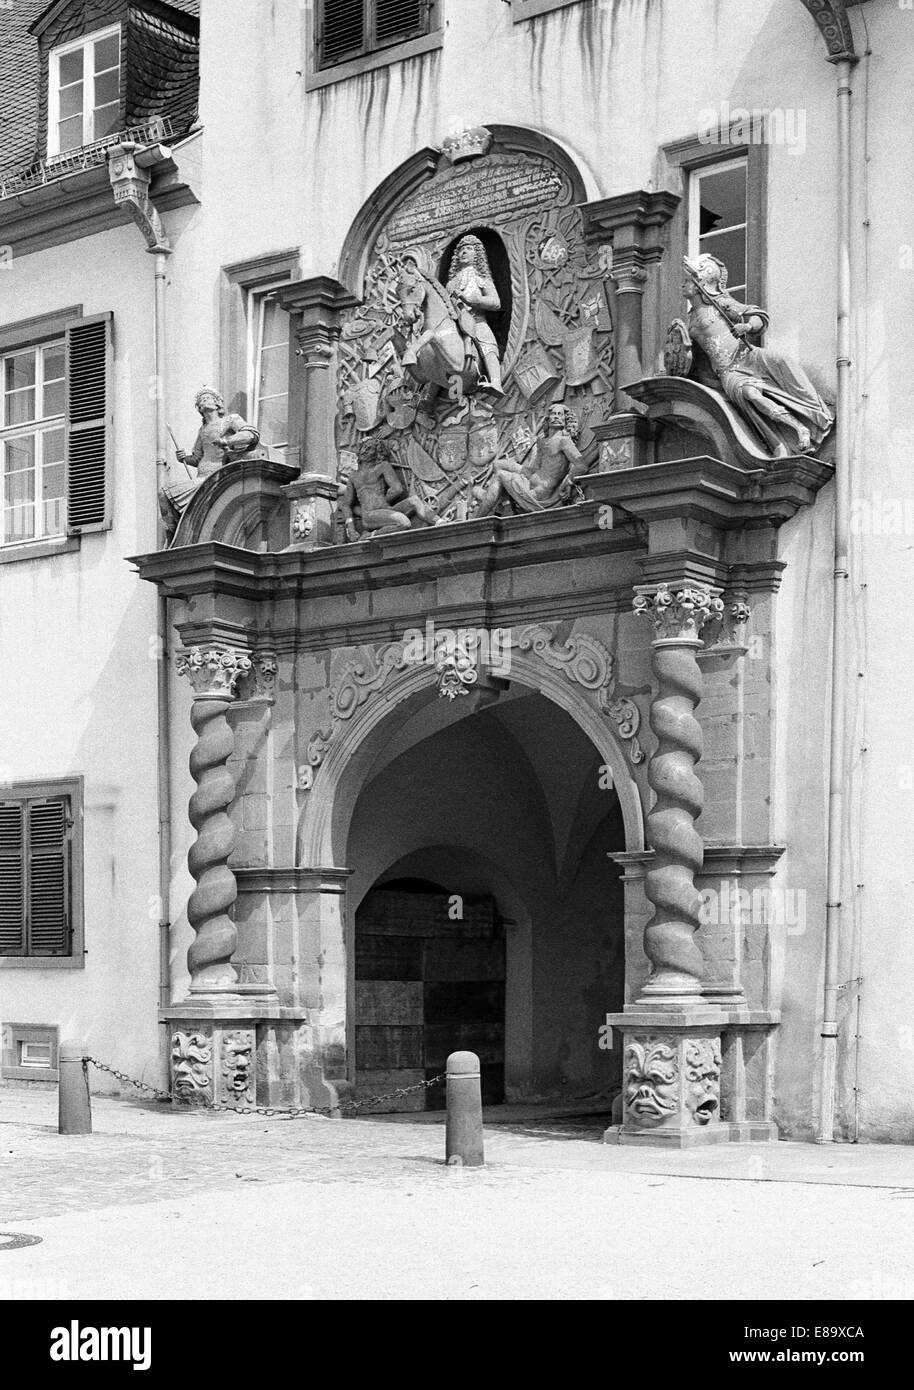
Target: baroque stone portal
(473, 374)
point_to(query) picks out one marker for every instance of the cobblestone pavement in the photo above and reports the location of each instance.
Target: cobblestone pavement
(154, 1196)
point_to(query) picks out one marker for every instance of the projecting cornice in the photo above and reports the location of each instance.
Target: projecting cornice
(835, 27)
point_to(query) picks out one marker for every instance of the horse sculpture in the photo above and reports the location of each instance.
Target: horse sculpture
(442, 351)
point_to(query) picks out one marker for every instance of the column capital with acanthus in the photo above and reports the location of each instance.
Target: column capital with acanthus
(213, 672)
(678, 611)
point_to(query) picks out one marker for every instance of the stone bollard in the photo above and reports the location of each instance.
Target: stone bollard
(74, 1105)
(463, 1141)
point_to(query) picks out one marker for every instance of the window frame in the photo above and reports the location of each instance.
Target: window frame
(680, 158)
(13, 1035)
(38, 427)
(256, 297)
(317, 75)
(532, 9)
(41, 790)
(86, 43)
(693, 233)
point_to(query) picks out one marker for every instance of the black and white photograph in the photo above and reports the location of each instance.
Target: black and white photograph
(457, 736)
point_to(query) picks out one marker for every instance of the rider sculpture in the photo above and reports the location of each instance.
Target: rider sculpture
(452, 345)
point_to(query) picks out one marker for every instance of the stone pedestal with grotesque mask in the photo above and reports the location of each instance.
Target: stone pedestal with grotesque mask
(671, 1080)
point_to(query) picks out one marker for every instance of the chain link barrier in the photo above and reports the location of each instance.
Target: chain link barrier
(294, 1112)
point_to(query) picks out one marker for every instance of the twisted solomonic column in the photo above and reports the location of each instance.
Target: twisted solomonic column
(213, 673)
(679, 613)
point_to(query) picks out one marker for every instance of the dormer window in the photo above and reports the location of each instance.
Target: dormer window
(84, 91)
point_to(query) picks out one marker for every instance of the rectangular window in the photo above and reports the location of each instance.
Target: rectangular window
(349, 29)
(28, 1052)
(269, 369)
(718, 218)
(37, 870)
(32, 444)
(54, 434)
(84, 91)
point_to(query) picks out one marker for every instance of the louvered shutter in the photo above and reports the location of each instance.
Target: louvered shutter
(12, 878)
(88, 423)
(48, 877)
(342, 30)
(398, 20)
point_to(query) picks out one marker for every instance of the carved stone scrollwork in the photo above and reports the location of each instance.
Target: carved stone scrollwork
(586, 661)
(213, 674)
(130, 186)
(362, 677)
(260, 682)
(678, 614)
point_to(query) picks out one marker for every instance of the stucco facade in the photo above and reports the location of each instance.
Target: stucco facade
(526, 788)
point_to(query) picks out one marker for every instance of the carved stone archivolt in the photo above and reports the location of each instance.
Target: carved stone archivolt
(581, 658)
(586, 661)
(484, 271)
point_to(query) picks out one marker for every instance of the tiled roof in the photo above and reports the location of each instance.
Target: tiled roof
(18, 82)
(164, 82)
(163, 72)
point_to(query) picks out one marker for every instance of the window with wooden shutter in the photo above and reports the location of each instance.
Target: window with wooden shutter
(12, 878)
(37, 872)
(88, 423)
(395, 21)
(342, 30)
(349, 29)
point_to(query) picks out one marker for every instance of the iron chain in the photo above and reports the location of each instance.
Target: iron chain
(292, 1112)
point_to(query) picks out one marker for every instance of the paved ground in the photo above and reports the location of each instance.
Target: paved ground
(163, 1204)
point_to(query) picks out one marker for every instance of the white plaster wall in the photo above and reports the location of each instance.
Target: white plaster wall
(77, 676)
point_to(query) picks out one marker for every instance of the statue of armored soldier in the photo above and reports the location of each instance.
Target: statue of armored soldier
(773, 394)
(221, 438)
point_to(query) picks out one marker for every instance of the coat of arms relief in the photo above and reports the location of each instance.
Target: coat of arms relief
(473, 372)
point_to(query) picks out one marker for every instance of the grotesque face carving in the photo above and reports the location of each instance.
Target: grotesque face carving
(191, 1054)
(702, 1075)
(236, 1066)
(652, 1079)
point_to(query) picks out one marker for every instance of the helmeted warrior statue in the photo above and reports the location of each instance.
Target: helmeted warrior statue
(772, 393)
(220, 439)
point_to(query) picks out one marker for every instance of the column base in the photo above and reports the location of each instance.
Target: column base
(671, 1075)
(748, 1132)
(245, 1051)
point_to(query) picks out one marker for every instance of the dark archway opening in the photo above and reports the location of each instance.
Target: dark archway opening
(429, 980)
